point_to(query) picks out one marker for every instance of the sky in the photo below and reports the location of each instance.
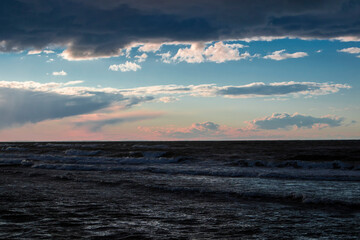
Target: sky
(118, 70)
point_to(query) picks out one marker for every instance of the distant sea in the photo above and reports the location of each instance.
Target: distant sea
(180, 190)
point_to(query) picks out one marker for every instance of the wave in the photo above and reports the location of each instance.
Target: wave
(290, 197)
(316, 174)
(336, 164)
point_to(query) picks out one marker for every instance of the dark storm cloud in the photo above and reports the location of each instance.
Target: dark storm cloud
(286, 121)
(19, 106)
(92, 28)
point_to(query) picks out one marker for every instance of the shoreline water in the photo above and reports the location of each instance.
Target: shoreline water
(180, 190)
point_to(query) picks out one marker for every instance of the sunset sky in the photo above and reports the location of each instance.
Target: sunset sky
(179, 70)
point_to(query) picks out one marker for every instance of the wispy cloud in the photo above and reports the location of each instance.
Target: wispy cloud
(125, 67)
(98, 121)
(36, 52)
(282, 55)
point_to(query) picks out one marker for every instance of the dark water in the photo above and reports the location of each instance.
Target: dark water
(180, 190)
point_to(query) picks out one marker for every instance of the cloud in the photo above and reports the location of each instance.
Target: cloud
(351, 50)
(221, 52)
(257, 89)
(165, 57)
(91, 29)
(97, 125)
(36, 52)
(31, 102)
(61, 73)
(168, 99)
(125, 67)
(282, 55)
(192, 54)
(199, 52)
(150, 47)
(288, 121)
(141, 58)
(48, 51)
(196, 130)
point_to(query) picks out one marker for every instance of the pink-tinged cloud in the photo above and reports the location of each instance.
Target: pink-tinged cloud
(198, 131)
(34, 102)
(96, 122)
(112, 126)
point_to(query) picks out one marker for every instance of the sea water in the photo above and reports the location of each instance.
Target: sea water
(180, 190)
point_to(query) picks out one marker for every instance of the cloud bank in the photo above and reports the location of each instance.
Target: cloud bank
(288, 121)
(257, 89)
(91, 29)
(31, 102)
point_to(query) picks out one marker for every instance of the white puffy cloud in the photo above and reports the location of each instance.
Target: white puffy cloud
(125, 67)
(282, 55)
(220, 52)
(34, 52)
(352, 50)
(150, 47)
(199, 52)
(141, 58)
(192, 54)
(61, 73)
(165, 57)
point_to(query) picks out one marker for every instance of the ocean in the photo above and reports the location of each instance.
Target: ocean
(180, 190)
